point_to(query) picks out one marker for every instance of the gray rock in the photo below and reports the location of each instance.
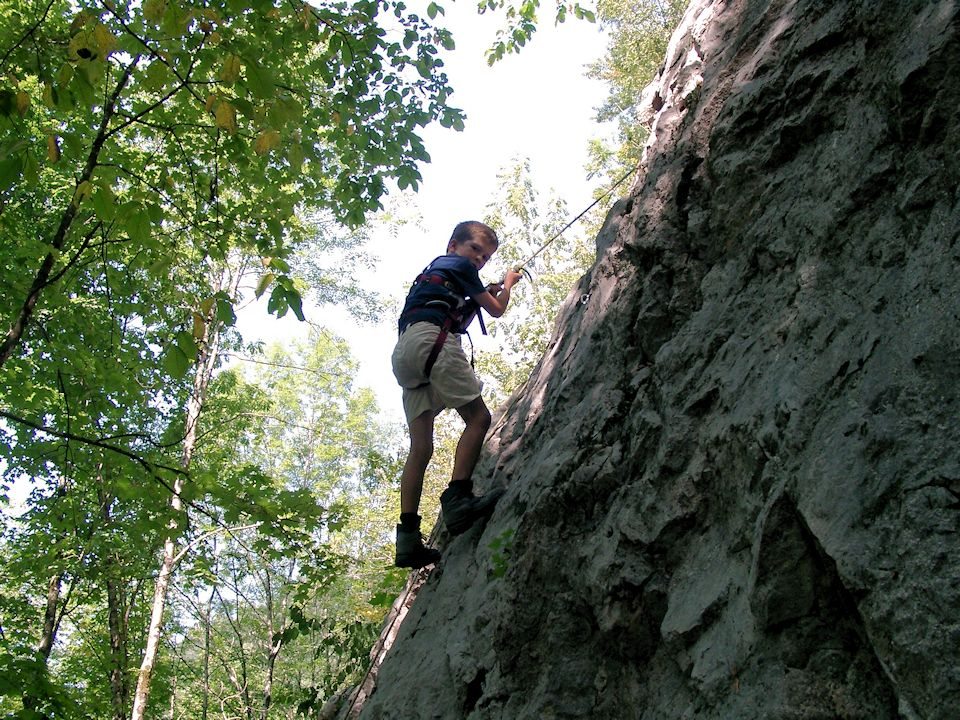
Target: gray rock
(733, 481)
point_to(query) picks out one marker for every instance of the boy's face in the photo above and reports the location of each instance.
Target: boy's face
(476, 250)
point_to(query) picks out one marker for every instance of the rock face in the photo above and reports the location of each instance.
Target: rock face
(734, 479)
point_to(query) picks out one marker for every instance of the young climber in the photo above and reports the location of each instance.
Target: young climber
(431, 367)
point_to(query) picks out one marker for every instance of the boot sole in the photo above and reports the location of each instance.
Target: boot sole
(414, 563)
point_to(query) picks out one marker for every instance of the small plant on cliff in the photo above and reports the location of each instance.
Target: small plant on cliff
(502, 547)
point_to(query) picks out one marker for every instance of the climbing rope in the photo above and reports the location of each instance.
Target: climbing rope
(521, 266)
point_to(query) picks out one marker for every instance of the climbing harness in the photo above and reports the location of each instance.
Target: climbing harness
(458, 314)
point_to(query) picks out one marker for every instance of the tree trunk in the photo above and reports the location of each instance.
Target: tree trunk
(142, 693)
(275, 643)
(241, 682)
(268, 682)
(201, 379)
(51, 618)
(207, 638)
(51, 614)
(118, 649)
(173, 698)
(116, 614)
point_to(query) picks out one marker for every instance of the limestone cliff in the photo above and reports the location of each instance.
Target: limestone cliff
(733, 482)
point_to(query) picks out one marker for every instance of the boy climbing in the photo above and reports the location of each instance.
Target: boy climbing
(431, 367)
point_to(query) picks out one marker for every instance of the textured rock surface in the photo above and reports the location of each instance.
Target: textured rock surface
(734, 480)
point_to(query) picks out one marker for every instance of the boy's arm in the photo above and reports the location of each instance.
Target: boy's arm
(497, 297)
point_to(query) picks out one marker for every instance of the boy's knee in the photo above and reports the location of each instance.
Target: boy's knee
(421, 447)
(481, 418)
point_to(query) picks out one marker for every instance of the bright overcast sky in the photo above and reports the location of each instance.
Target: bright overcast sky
(535, 104)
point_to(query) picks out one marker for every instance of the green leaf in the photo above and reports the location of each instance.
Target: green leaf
(259, 80)
(65, 75)
(104, 204)
(8, 102)
(10, 170)
(187, 344)
(83, 85)
(346, 54)
(162, 266)
(264, 283)
(296, 303)
(176, 362)
(156, 76)
(383, 599)
(137, 223)
(295, 157)
(225, 312)
(154, 212)
(277, 303)
(31, 168)
(279, 264)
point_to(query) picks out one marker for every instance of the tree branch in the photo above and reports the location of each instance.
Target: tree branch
(94, 442)
(197, 540)
(42, 279)
(28, 33)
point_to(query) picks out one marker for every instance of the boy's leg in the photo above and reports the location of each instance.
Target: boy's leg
(411, 551)
(477, 419)
(421, 450)
(461, 508)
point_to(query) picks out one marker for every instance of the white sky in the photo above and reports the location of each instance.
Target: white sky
(535, 104)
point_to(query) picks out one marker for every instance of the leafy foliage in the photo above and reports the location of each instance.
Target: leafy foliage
(298, 618)
(522, 21)
(169, 132)
(639, 32)
(525, 221)
(153, 157)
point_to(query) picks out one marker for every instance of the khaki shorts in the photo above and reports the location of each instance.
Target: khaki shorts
(452, 381)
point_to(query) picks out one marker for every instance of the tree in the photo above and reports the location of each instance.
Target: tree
(521, 18)
(145, 148)
(160, 124)
(519, 213)
(639, 32)
(291, 628)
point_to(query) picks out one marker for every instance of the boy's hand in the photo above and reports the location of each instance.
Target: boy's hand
(512, 278)
(509, 281)
(495, 300)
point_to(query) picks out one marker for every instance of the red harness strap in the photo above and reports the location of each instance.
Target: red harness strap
(437, 347)
(454, 317)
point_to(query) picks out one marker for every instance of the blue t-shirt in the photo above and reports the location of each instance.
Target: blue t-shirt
(459, 271)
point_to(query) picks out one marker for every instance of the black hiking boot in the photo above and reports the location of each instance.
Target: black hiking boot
(461, 508)
(411, 552)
